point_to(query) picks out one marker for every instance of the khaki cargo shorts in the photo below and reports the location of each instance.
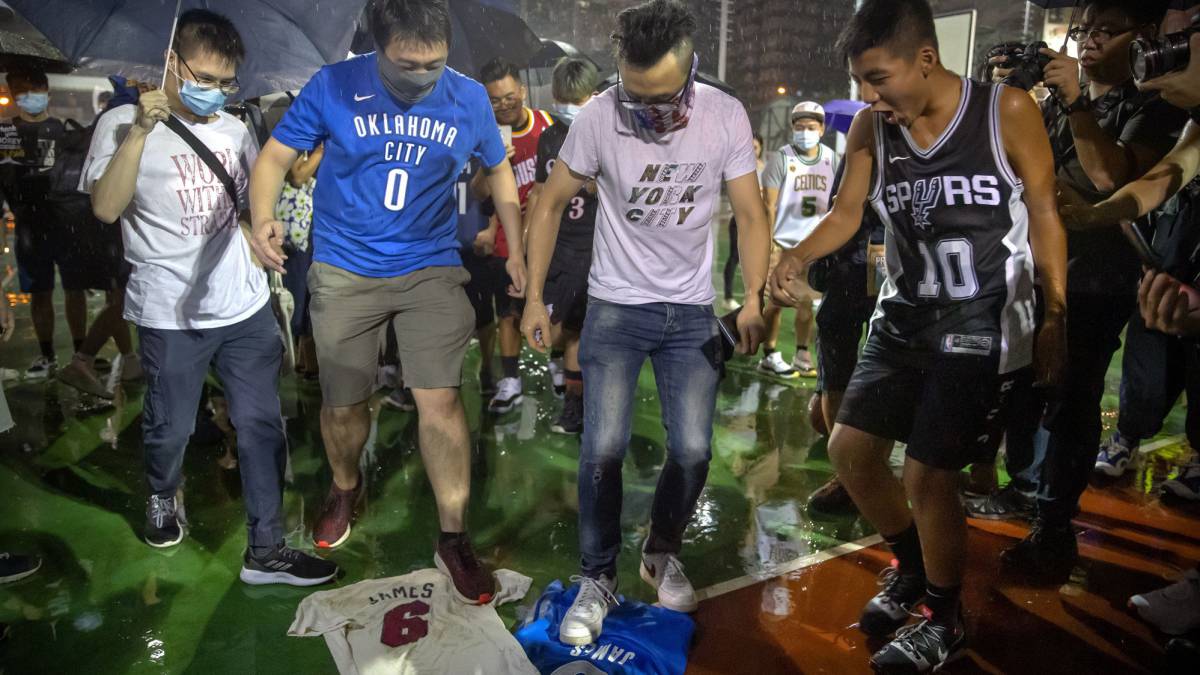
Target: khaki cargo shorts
(429, 308)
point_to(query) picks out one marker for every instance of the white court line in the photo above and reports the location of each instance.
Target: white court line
(800, 563)
(1160, 444)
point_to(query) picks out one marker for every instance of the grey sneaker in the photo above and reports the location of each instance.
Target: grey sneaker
(664, 572)
(585, 618)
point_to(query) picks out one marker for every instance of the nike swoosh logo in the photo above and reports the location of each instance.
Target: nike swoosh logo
(360, 99)
(893, 160)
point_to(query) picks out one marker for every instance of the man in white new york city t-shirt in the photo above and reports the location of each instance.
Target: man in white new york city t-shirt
(660, 146)
(195, 294)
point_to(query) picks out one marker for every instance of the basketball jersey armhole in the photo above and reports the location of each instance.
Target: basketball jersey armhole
(880, 159)
(999, 154)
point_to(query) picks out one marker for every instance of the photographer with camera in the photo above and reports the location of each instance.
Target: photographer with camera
(1168, 302)
(1104, 135)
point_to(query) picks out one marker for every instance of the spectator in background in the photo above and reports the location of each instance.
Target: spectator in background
(797, 188)
(731, 262)
(574, 84)
(52, 221)
(507, 94)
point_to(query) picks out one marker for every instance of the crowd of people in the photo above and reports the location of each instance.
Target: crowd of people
(986, 243)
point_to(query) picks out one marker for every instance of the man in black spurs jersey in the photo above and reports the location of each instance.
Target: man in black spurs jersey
(962, 175)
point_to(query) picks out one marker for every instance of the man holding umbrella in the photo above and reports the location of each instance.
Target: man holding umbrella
(195, 293)
(397, 126)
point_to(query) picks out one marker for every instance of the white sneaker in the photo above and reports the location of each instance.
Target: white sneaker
(584, 620)
(1115, 456)
(41, 368)
(1174, 610)
(731, 304)
(558, 378)
(774, 364)
(803, 364)
(508, 396)
(1186, 485)
(664, 572)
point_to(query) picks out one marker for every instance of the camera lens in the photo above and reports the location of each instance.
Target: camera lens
(1139, 55)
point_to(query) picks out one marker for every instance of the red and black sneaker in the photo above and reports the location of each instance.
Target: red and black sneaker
(337, 514)
(473, 582)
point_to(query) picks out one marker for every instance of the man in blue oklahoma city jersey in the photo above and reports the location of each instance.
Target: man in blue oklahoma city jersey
(397, 126)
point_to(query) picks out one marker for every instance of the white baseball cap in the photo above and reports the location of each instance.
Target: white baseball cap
(809, 109)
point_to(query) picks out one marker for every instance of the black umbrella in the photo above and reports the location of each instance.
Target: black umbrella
(710, 80)
(481, 32)
(23, 47)
(553, 50)
(286, 40)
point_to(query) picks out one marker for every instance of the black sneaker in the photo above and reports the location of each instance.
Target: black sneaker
(832, 497)
(286, 566)
(163, 528)
(922, 648)
(892, 607)
(15, 567)
(1048, 553)
(1007, 503)
(571, 419)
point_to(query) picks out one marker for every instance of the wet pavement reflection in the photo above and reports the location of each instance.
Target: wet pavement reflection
(71, 491)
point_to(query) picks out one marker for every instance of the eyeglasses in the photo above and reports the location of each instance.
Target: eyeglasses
(1082, 34)
(227, 87)
(508, 101)
(625, 98)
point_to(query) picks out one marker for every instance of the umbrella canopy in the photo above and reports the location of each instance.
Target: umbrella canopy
(22, 46)
(839, 113)
(553, 50)
(287, 41)
(480, 32)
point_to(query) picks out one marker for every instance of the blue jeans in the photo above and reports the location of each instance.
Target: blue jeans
(246, 355)
(684, 347)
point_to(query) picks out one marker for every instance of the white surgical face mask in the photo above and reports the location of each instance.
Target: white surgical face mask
(806, 140)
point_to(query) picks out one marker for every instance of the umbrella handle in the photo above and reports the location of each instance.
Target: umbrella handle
(170, 41)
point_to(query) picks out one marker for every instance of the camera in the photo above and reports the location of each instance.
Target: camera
(1153, 58)
(1026, 61)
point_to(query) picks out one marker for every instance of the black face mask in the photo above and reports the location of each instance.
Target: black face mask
(407, 86)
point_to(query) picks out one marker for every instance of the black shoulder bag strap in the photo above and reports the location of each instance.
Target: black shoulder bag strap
(175, 124)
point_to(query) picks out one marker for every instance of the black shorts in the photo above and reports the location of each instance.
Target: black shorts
(488, 289)
(65, 234)
(952, 411)
(566, 289)
(845, 309)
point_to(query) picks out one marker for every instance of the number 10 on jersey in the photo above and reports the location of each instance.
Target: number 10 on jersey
(955, 260)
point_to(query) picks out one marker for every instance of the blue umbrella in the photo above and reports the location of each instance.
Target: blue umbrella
(287, 41)
(840, 113)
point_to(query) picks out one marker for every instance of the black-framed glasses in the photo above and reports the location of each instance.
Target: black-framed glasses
(1082, 34)
(227, 87)
(624, 98)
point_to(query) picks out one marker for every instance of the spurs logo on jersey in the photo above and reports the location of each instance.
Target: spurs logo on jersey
(803, 194)
(960, 271)
(927, 193)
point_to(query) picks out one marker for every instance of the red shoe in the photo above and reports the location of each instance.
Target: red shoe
(473, 582)
(333, 525)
